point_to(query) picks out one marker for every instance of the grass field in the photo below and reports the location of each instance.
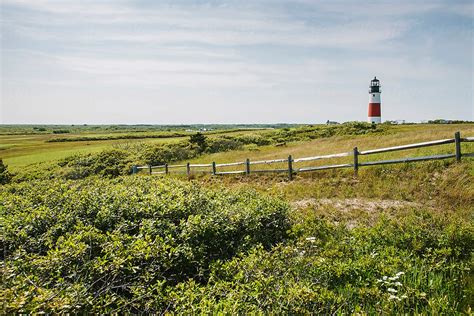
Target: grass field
(20, 150)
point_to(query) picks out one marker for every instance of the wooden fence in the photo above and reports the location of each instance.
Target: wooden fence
(248, 166)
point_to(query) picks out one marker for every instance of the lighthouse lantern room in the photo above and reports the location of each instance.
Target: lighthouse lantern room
(375, 114)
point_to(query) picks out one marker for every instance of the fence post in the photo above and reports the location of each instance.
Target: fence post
(247, 166)
(213, 168)
(149, 169)
(166, 168)
(457, 142)
(188, 169)
(290, 168)
(356, 161)
(134, 169)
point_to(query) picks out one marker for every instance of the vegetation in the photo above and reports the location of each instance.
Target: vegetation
(77, 164)
(115, 137)
(145, 244)
(100, 246)
(4, 174)
(108, 164)
(80, 235)
(61, 131)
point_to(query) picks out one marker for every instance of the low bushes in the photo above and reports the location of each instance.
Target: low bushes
(5, 176)
(314, 132)
(395, 267)
(151, 245)
(61, 131)
(161, 154)
(108, 163)
(101, 245)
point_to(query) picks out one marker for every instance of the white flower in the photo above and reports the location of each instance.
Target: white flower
(392, 290)
(400, 273)
(393, 297)
(397, 284)
(311, 239)
(384, 278)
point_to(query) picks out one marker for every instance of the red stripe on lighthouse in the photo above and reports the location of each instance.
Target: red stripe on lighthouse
(374, 109)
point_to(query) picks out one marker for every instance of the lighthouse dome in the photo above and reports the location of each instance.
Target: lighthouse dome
(374, 85)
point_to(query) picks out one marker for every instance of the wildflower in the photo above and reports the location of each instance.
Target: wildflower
(394, 297)
(384, 278)
(392, 290)
(397, 284)
(311, 239)
(400, 273)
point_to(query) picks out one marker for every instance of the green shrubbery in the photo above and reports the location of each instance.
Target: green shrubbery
(150, 245)
(100, 245)
(5, 176)
(313, 132)
(392, 268)
(109, 163)
(61, 131)
(161, 154)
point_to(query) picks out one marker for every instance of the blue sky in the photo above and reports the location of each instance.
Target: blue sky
(177, 62)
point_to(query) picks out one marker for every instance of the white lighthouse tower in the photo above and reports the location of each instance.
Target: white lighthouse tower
(375, 111)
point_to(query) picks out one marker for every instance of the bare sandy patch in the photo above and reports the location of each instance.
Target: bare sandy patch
(355, 212)
(355, 203)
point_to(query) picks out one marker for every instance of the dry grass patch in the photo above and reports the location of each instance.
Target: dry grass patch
(354, 212)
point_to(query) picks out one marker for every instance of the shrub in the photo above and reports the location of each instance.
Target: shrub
(101, 245)
(198, 140)
(108, 163)
(61, 131)
(258, 140)
(158, 155)
(5, 176)
(330, 269)
(222, 144)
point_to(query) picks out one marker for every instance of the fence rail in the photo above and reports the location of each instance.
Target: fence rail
(187, 168)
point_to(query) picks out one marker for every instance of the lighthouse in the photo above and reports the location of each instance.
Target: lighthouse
(375, 114)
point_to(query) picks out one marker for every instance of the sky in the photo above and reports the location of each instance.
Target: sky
(260, 61)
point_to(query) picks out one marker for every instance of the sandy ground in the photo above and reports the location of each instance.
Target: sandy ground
(355, 203)
(356, 211)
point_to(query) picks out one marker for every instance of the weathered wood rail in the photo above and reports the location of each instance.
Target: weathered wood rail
(212, 168)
